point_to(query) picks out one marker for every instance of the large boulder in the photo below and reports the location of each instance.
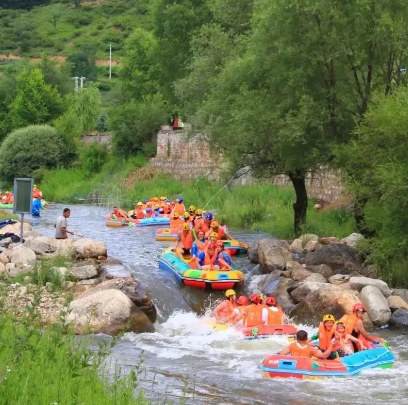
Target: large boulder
(40, 245)
(316, 278)
(108, 311)
(132, 289)
(253, 253)
(399, 319)
(88, 248)
(23, 256)
(376, 305)
(279, 290)
(15, 228)
(401, 292)
(339, 279)
(358, 283)
(337, 256)
(311, 246)
(62, 247)
(395, 302)
(84, 272)
(329, 299)
(5, 256)
(299, 293)
(353, 239)
(267, 279)
(296, 245)
(322, 269)
(272, 254)
(328, 240)
(299, 275)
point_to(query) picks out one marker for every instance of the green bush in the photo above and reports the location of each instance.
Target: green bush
(92, 157)
(28, 149)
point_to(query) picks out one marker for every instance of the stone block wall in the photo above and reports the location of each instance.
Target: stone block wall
(103, 138)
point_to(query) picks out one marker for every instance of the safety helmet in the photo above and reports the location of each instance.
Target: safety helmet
(167, 200)
(358, 307)
(214, 234)
(254, 298)
(329, 317)
(176, 215)
(186, 215)
(339, 323)
(156, 207)
(230, 293)
(186, 227)
(209, 216)
(214, 224)
(179, 200)
(270, 301)
(199, 212)
(139, 204)
(191, 208)
(149, 203)
(145, 201)
(35, 185)
(162, 198)
(242, 300)
(155, 199)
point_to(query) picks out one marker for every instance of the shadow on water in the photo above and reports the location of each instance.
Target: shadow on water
(186, 358)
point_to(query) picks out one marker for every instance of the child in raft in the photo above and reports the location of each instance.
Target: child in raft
(342, 342)
(301, 348)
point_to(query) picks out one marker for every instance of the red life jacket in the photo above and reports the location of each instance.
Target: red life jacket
(139, 213)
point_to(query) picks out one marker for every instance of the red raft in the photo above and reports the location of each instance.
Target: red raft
(263, 331)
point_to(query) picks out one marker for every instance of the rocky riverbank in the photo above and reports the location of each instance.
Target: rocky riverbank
(70, 279)
(313, 276)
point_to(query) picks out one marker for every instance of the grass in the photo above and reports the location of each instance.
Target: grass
(6, 215)
(50, 367)
(260, 207)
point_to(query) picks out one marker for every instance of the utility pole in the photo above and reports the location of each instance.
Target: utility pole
(110, 61)
(82, 78)
(76, 82)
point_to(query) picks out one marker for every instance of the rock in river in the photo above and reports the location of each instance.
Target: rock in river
(376, 305)
(399, 319)
(358, 283)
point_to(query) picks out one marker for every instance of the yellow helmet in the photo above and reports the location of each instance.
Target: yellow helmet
(186, 227)
(329, 317)
(214, 234)
(34, 185)
(176, 215)
(155, 199)
(163, 198)
(199, 211)
(191, 208)
(186, 215)
(230, 293)
(139, 204)
(214, 224)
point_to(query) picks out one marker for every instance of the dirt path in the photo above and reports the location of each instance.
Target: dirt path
(60, 59)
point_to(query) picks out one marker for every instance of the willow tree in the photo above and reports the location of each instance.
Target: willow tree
(305, 77)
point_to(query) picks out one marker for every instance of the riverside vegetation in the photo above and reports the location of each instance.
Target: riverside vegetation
(284, 88)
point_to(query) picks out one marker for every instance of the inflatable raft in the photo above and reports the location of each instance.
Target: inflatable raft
(156, 221)
(277, 366)
(166, 234)
(10, 206)
(204, 279)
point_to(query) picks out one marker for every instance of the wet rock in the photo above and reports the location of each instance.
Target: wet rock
(328, 240)
(84, 272)
(299, 293)
(353, 239)
(269, 278)
(376, 305)
(336, 256)
(108, 311)
(23, 255)
(399, 319)
(272, 255)
(88, 248)
(112, 261)
(329, 299)
(401, 292)
(395, 302)
(358, 283)
(279, 290)
(132, 289)
(316, 278)
(322, 269)
(253, 253)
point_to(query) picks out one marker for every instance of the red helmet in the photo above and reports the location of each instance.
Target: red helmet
(270, 301)
(254, 298)
(358, 307)
(242, 300)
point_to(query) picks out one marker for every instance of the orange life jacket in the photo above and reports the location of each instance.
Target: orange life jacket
(176, 223)
(204, 227)
(325, 336)
(37, 193)
(209, 261)
(275, 317)
(139, 213)
(295, 349)
(180, 209)
(167, 209)
(224, 310)
(349, 321)
(201, 245)
(253, 315)
(219, 232)
(186, 240)
(222, 263)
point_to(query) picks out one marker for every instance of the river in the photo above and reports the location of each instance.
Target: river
(184, 358)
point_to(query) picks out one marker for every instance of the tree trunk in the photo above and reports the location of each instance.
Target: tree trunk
(298, 179)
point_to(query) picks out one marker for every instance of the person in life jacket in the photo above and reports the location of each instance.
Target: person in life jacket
(156, 212)
(37, 193)
(355, 327)
(271, 314)
(167, 208)
(213, 238)
(239, 312)
(225, 309)
(224, 259)
(301, 348)
(205, 224)
(176, 222)
(139, 212)
(36, 207)
(7, 198)
(186, 217)
(149, 209)
(325, 335)
(198, 219)
(207, 260)
(342, 342)
(191, 212)
(163, 201)
(215, 227)
(200, 244)
(253, 312)
(119, 214)
(179, 207)
(184, 242)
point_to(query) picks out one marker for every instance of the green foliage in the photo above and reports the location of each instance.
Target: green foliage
(35, 101)
(83, 63)
(92, 157)
(24, 4)
(48, 366)
(28, 149)
(134, 123)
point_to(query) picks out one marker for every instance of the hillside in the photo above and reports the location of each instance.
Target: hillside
(61, 29)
